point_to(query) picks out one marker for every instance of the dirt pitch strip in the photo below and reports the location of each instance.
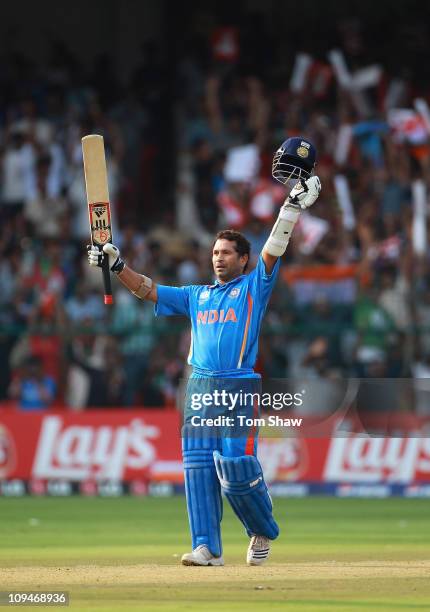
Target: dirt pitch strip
(87, 575)
(292, 587)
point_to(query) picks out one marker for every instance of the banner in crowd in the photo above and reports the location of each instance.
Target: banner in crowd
(337, 283)
(142, 448)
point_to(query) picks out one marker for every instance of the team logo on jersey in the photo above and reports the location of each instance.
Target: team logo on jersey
(234, 292)
(204, 295)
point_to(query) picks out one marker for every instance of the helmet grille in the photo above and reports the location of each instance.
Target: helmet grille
(283, 171)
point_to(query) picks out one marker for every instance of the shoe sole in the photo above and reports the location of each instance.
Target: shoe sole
(186, 562)
(194, 564)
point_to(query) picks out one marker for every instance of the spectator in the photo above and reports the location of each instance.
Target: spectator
(84, 305)
(17, 167)
(42, 210)
(32, 387)
(96, 371)
(137, 332)
(376, 330)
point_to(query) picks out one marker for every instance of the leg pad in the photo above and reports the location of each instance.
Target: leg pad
(243, 484)
(204, 502)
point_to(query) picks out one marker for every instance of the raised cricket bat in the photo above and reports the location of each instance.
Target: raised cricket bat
(98, 201)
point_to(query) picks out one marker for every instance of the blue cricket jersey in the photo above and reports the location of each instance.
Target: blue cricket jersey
(225, 320)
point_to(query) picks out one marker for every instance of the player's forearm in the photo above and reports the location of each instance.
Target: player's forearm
(279, 238)
(141, 286)
(269, 261)
(302, 196)
(277, 243)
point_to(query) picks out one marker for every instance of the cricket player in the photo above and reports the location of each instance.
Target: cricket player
(225, 323)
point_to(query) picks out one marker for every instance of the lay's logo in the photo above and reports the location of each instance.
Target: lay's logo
(216, 316)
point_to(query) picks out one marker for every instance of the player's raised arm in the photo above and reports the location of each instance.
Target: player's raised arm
(140, 285)
(294, 160)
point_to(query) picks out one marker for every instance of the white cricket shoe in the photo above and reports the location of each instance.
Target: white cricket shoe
(258, 550)
(201, 556)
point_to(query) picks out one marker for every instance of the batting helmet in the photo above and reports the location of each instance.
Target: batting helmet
(295, 159)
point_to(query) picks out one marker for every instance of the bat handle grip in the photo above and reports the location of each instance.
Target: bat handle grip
(107, 281)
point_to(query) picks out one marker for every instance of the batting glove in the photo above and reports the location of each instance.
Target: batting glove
(96, 257)
(304, 194)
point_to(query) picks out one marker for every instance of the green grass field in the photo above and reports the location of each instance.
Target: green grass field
(120, 554)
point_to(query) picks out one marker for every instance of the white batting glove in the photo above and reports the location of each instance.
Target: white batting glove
(96, 257)
(304, 194)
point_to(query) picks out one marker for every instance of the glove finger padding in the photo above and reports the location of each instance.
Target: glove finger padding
(313, 188)
(95, 256)
(305, 194)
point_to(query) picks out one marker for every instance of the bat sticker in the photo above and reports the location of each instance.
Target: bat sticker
(100, 223)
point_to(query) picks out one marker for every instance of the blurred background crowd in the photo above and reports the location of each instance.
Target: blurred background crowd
(190, 140)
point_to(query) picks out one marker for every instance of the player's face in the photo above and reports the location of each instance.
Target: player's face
(227, 262)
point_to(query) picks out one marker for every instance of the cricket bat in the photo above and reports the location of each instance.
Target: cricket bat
(98, 201)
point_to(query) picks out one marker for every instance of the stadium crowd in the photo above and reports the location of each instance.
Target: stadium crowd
(353, 298)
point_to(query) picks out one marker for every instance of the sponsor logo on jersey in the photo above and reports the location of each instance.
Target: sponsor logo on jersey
(216, 316)
(204, 295)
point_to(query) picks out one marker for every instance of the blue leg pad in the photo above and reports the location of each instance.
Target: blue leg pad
(202, 488)
(243, 484)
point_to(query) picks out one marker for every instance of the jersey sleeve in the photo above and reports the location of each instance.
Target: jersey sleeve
(261, 283)
(172, 301)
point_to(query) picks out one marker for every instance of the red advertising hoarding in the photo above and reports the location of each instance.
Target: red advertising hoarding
(145, 445)
(93, 445)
